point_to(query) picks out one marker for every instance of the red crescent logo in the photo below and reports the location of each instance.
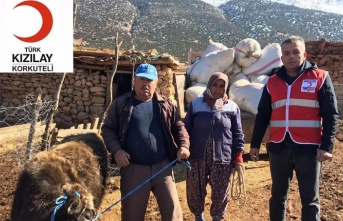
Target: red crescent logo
(46, 24)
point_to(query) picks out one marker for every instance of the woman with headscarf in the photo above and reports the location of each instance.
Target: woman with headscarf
(216, 145)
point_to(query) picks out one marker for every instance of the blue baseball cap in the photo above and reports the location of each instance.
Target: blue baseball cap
(146, 71)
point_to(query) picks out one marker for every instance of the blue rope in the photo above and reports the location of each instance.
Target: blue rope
(60, 201)
(139, 186)
(186, 162)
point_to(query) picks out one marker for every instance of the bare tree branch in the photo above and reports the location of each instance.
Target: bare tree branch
(110, 81)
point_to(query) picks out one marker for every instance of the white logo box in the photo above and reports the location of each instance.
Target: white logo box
(36, 49)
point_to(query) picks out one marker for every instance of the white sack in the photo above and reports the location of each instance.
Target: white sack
(247, 52)
(240, 80)
(245, 94)
(213, 46)
(196, 90)
(232, 72)
(217, 61)
(262, 79)
(193, 83)
(270, 59)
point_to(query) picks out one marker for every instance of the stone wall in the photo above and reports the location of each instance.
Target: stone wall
(83, 97)
(339, 95)
(329, 56)
(83, 94)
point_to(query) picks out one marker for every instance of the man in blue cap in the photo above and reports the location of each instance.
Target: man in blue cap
(144, 133)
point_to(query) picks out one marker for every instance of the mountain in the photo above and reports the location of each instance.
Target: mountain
(176, 26)
(267, 21)
(168, 26)
(331, 6)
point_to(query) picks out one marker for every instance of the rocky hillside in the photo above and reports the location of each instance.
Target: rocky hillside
(178, 25)
(171, 27)
(267, 21)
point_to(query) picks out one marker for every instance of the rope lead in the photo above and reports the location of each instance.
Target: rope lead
(139, 186)
(238, 186)
(60, 201)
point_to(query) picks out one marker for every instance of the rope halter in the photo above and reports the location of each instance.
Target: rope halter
(60, 201)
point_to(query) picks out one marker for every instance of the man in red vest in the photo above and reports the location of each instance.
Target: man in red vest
(299, 105)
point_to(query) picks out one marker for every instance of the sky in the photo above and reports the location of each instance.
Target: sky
(334, 6)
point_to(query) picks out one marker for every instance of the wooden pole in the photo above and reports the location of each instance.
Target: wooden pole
(46, 136)
(115, 66)
(34, 113)
(74, 16)
(110, 82)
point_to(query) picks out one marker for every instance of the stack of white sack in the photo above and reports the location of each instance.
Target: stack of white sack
(246, 65)
(247, 88)
(269, 59)
(247, 93)
(217, 61)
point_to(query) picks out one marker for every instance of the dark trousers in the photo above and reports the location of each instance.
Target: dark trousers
(163, 187)
(307, 169)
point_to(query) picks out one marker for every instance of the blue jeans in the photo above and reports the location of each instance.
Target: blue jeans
(307, 169)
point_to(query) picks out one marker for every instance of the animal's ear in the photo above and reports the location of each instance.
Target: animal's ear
(74, 206)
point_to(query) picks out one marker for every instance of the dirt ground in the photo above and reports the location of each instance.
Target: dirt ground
(257, 185)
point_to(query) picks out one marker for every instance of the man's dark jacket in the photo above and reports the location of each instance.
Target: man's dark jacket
(118, 117)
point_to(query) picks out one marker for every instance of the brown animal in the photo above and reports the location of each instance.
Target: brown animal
(73, 173)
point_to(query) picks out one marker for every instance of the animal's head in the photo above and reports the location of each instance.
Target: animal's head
(79, 206)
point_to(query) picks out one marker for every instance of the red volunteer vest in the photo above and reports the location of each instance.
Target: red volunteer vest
(295, 108)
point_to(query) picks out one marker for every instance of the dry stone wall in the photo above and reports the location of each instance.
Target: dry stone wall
(83, 94)
(329, 56)
(83, 97)
(165, 81)
(339, 95)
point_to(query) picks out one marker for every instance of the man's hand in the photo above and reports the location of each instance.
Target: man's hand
(322, 155)
(183, 153)
(122, 158)
(254, 154)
